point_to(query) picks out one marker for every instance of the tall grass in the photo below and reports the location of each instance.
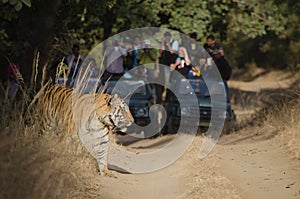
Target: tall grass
(34, 166)
(283, 115)
(279, 115)
(11, 108)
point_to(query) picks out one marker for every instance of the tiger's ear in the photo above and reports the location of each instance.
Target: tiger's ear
(114, 100)
(108, 99)
(116, 96)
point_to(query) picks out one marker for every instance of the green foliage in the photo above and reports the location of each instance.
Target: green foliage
(253, 19)
(261, 31)
(189, 18)
(86, 22)
(9, 11)
(17, 4)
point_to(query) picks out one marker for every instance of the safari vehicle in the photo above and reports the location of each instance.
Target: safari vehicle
(198, 87)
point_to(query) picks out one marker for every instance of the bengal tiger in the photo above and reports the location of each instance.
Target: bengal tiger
(92, 116)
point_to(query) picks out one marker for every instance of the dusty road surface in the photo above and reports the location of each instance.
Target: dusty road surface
(259, 168)
(250, 163)
(240, 166)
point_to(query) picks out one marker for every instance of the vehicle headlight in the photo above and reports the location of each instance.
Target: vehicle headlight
(141, 112)
(185, 111)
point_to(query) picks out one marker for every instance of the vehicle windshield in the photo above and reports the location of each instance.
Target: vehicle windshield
(189, 86)
(126, 87)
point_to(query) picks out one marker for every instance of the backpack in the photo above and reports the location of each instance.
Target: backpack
(224, 68)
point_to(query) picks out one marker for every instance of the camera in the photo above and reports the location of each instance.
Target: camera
(147, 44)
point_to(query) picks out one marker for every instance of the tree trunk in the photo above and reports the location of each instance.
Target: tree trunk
(36, 26)
(109, 19)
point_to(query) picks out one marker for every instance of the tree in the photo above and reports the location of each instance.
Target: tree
(234, 22)
(45, 26)
(31, 28)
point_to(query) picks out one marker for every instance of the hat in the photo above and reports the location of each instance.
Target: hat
(116, 38)
(127, 39)
(147, 42)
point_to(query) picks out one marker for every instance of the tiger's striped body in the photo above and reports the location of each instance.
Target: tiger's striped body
(93, 117)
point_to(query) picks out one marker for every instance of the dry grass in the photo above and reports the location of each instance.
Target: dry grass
(48, 166)
(285, 119)
(45, 167)
(34, 166)
(279, 116)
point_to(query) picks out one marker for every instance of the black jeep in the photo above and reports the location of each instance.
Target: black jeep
(196, 86)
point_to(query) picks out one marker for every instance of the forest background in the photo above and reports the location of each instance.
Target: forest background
(254, 33)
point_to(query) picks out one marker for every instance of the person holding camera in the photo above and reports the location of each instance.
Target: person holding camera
(168, 49)
(214, 49)
(216, 52)
(129, 58)
(114, 58)
(168, 54)
(148, 57)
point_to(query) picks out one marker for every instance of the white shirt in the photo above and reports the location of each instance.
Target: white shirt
(174, 46)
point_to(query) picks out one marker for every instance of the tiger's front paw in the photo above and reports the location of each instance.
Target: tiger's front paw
(106, 172)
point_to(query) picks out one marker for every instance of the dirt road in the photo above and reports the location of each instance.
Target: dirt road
(245, 164)
(240, 166)
(259, 167)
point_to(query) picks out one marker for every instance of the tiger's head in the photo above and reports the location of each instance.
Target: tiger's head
(119, 113)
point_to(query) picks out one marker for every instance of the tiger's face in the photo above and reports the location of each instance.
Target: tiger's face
(120, 113)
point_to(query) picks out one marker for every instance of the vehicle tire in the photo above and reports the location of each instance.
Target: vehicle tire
(229, 126)
(202, 130)
(172, 128)
(230, 123)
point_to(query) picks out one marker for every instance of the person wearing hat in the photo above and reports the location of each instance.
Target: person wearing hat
(147, 57)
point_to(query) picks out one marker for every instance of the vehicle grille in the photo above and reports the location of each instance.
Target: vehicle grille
(205, 114)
